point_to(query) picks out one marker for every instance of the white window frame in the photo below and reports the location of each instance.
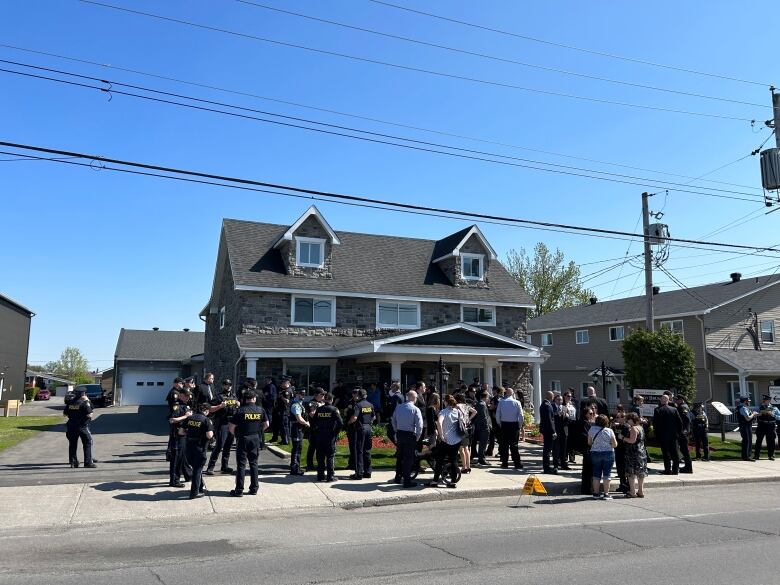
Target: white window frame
(492, 309)
(615, 328)
(670, 325)
(303, 240)
(222, 317)
(735, 391)
(398, 326)
(547, 344)
(555, 386)
(584, 389)
(481, 257)
(761, 330)
(577, 337)
(331, 323)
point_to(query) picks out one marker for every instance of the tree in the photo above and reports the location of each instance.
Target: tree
(72, 365)
(660, 360)
(552, 282)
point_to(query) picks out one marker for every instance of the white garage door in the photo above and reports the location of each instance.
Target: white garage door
(146, 387)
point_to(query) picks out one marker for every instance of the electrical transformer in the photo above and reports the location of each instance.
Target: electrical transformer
(770, 169)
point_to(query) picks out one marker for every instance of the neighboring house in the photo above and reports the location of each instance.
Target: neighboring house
(322, 305)
(57, 385)
(730, 325)
(107, 380)
(147, 361)
(14, 347)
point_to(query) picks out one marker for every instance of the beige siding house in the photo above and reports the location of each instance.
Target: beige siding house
(730, 326)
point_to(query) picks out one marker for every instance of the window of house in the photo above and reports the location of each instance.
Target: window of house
(675, 326)
(583, 337)
(150, 383)
(397, 315)
(584, 388)
(767, 331)
(555, 385)
(309, 252)
(616, 333)
(547, 339)
(309, 376)
(161, 383)
(474, 315)
(472, 266)
(222, 318)
(735, 392)
(139, 383)
(314, 311)
(529, 339)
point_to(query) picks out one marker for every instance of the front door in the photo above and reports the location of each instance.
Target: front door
(411, 376)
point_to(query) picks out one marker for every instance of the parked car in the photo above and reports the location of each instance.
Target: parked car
(94, 393)
(43, 394)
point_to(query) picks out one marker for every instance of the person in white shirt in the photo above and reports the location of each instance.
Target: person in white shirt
(509, 418)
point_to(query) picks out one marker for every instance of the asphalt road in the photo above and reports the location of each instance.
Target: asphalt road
(715, 535)
(129, 443)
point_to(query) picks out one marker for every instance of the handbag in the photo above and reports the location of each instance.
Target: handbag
(462, 427)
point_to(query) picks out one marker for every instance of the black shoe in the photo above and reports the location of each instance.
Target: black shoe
(226, 470)
(236, 493)
(209, 471)
(366, 476)
(483, 462)
(74, 464)
(551, 471)
(198, 495)
(772, 458)
(396, 480)
(90, 465)
(252, 492)
(410, 484)
(168, 456)
(176, 484)
(320, 478)
(330, 480)
(519, 466)
(565, 467)
(505, 466)
(297, 472)
(356, 477)
(466, 470)
(686, 470)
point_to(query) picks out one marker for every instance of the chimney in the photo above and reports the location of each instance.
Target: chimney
(656, 290)
(155, 328)
(593, 300)
(735, 276)
(186, 329)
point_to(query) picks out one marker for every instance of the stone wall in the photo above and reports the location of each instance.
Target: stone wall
(221, 351)
(516, 375)
(310, 228)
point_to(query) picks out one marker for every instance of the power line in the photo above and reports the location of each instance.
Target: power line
(377, 120)
(374, 137)
(494, 57)
(572, 47)
(399, 66)
(301, 191)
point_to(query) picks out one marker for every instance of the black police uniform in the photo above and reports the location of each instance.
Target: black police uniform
(363, 431)
(296, 435)
(699, 427)
(221, 434)
(311, 450)
(171, 399)
(682, 438)
(179, 465)
(746, 431)
(269, 395)
(281, 419)
(249, 421)
(352, 429)
(327, 423)
(196, 427)
(766, 426)
(77, 428)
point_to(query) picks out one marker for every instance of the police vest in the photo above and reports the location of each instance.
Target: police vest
(231, 406)
(740, 417)
(364, 411)
(249, 420)
(766, 415)
(197, 426)
(327, 420)
(78, 413)
(700, 421)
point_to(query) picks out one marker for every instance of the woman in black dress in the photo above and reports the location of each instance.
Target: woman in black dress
(588, 416)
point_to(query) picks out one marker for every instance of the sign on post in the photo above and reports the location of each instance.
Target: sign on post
(774, 392)
(652, 400)
(721, 408)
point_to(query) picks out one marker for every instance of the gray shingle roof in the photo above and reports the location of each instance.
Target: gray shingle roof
(674, 302)
(750, 360)
(375, 265)
(146, 345)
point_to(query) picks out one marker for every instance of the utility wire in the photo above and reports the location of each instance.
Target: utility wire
(360, 199)
(399, 66)
(495, 57)
(373, 119)
(571, 47)
(429, 147)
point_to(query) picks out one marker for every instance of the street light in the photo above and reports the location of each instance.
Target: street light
(441, 375)
(605, 375)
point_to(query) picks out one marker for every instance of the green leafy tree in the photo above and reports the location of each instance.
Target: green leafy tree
(660, 360)
(552, 282)
(72, 365)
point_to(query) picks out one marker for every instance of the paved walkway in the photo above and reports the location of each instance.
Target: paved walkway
(109, 501)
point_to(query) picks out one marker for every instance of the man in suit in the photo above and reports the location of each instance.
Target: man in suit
(547, 428)
(668, 427)
(598, 404)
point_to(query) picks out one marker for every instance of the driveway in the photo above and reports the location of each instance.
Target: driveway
(130, 444)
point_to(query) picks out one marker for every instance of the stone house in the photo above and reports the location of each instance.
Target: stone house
(321, 305)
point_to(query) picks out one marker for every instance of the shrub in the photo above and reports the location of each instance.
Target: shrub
(31, 393)
(379, 430)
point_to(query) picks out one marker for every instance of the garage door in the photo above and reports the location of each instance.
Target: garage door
(146, 387)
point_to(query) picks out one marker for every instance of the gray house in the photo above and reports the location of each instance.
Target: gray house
(322, 305)
(730, 325)
(14, 345)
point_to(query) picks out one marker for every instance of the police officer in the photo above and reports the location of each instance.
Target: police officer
(268, 396)
(745, 418)
(199, 430)
(361, 420)
(223, 407)
(349, 413)
(298, 424)
(700, 425)
(327, 424)
(766, 426)
(281, 418)
(682, 438)
(79, 413)
(394, 400)
(247, 425)
(180, 412)
(311, 450)
(173, 396)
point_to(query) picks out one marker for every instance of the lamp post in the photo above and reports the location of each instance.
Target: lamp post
(441, 375)
(604, 375)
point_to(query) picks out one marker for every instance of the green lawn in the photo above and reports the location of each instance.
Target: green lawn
(719, 450)
(380, 458)
(15, 429)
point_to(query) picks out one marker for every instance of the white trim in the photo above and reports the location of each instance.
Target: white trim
(740, 297)
(450, 327)
(331, 323)
(761, 331)
(222, 317)
(609, 335)
(577, 339)
(363, 295)
(478, 323)
(671, 322)
(474, 231)
(541, 340)
(288, 235)
(304, 240)
(469, 256)
(588, 325)
(397, 325)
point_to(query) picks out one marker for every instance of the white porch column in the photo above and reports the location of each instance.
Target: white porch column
(743, 387)
(251, 368)
(537, 393)
(488, 367)
(395, 369)
(332, 377)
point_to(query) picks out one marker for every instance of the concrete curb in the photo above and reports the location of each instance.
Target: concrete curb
(280, 453)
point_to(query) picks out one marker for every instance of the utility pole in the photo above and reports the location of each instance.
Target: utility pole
(649, 320)
(776, 109)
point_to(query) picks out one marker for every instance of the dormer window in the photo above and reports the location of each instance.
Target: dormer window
(309, 252)
(472, 266)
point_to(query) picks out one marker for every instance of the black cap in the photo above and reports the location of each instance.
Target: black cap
(284, 378)
(299, 391)
(227, 382)
(190, 379)
(766, 397)
(178, 380)
(363, 393)
(744, 398)
(251, 381)
(80, 391)
(679, 397)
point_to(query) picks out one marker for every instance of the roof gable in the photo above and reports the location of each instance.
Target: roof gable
(287, 236)
(451, 245)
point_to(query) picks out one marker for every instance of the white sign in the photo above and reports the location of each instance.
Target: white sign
(652, 399)
(722, 408)
(774, 392)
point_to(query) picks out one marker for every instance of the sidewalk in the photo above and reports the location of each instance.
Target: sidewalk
(97, 503)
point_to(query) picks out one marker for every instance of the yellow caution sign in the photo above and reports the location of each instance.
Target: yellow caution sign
(533, 486)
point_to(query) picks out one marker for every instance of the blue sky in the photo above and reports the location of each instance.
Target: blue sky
(91, 252)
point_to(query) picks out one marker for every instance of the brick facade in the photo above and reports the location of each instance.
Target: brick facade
(310, 228)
